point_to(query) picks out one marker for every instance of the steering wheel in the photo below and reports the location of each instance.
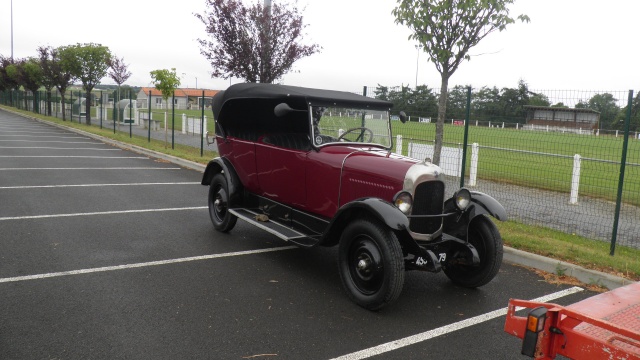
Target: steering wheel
(361, 136)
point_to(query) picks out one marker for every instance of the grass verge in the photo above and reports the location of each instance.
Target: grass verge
(590, 254)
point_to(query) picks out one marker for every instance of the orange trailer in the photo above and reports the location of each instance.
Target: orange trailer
(605, 326)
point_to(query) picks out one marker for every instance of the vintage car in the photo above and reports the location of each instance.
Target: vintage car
(315, 167)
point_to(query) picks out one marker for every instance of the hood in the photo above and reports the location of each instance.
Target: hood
(373, 172)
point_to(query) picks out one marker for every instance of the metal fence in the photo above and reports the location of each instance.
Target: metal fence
(564, 173)
(120, 112)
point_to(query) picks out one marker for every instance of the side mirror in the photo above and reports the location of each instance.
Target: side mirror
(403, 117)
(282, 109)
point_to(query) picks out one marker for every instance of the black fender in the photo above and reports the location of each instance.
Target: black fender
(481, 204)
(222, 165)
(376, 209)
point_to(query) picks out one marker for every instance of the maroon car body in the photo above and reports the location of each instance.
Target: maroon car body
(315, 167)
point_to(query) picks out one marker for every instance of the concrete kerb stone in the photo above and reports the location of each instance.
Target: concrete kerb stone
(558, 267)
(511, 255)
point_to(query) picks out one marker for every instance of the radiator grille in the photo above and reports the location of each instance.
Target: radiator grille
(428, 199)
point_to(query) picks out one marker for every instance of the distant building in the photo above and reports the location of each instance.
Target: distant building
(570, 118)
(184, 98)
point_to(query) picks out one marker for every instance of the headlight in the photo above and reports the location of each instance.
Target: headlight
(462, 198)
(403, 201)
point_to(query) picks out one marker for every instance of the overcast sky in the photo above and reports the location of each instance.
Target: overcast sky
(568, 45)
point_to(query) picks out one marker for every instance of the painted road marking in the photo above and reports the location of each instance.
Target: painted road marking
(53, 141)
(31, 217)
(88, 168)
(96, 185)
(56, 148)
(144, 264)
(414, 339)
(73, 156)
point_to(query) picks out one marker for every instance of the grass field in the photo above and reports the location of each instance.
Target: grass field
(542, 160)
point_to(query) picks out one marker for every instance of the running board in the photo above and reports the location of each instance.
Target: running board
(282, 231)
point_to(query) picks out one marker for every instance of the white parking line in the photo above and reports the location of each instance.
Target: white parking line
(97, 185)
(46, 136)
(53, 141)
(73, 156)
(31, 217)
(88, 168)
(144, 264)
(55, 148)
(414, 339)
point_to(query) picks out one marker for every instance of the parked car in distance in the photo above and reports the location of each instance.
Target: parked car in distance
(315, 167)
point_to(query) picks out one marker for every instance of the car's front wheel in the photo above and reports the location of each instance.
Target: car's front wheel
(484, 236)
(221, 218)
(371, 264)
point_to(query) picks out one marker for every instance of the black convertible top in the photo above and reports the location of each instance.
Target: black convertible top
(294, 96)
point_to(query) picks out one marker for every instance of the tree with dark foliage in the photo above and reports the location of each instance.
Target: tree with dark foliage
(257, 44)
(118, 72)
(89, 64)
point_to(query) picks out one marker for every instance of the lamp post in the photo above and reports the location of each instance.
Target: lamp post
(11, 31)
(418, 47)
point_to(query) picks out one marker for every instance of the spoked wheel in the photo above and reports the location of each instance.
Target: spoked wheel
(371, 264)
(221, 218)
(484, 236)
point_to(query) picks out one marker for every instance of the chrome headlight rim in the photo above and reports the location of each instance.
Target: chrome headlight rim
(403, 200)
(462, 199)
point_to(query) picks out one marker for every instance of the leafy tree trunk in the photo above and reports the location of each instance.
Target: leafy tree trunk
(49, 112)
(442, 110)
(87, 106)
(62, 97)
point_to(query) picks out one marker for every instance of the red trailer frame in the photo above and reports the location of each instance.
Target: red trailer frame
(605, 326)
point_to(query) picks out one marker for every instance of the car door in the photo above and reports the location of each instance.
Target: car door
(280, 163)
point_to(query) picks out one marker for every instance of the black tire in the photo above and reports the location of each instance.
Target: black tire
(221, 218)
(371, 264)
(484, 236)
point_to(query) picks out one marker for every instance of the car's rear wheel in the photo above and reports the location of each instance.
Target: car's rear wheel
(484, 236)
(221, 218)
(371, 264)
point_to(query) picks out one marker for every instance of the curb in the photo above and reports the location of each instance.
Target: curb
(549, 265)
(511, 255)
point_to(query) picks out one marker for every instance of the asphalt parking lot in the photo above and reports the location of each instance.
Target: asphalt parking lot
(109, 254)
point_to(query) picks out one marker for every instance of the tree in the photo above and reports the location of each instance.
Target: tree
(32, 78)
(166, 81)
(607, 106)
(118, 72)
(6, 82)
(254, 43)
(56, 72)
(88, 63)
(447, 29)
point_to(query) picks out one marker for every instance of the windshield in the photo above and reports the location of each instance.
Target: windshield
(335, 124)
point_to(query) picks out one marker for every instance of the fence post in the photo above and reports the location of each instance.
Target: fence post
(184, 123)
(623, 164)
(575, 179)
(473, 169)
(173, 118)
(465, 142)
(202, 128)
(399, 144)
(130, 115)
(205, 127)
(149, 118)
